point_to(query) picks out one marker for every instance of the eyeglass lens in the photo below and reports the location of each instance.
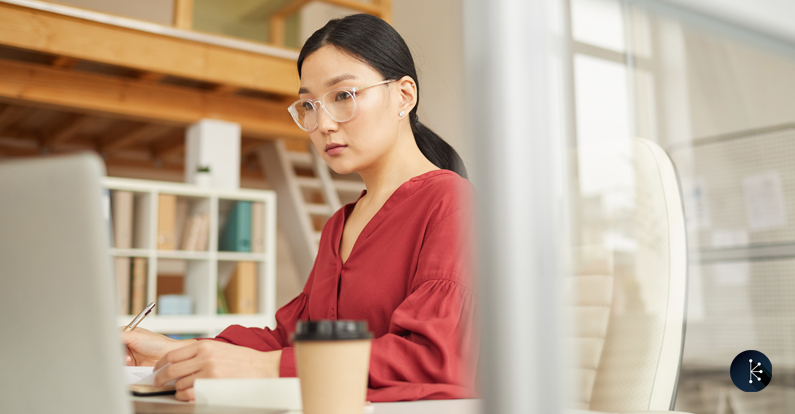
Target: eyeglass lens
(341, 105)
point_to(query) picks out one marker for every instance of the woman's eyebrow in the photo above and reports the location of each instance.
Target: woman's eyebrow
(337, 79)
(331, 82)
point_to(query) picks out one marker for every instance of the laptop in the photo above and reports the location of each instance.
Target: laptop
(60, 351)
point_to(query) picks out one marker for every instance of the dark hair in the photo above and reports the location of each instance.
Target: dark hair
(375, 42)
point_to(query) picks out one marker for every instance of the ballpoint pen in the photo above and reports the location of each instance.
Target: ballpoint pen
(140, 317)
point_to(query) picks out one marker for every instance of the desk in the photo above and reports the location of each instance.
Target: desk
(413, 407)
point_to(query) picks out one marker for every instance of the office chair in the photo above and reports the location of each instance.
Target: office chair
(628, 309)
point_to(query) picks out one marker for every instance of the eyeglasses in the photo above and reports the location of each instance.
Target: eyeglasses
(339, 104)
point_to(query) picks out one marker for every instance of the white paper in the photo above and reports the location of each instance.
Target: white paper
(273, 393)
(732, 273)
(143, 375)
(764, 201)
(697, 214)
(729, 238)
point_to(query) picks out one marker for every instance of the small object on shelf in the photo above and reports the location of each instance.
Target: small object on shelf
(138, 291)
(258, 227)
(241, 291)
(166, 216)
(174, 305)
(236, 236)
(221, 307)
(122, 219)
(122, 265)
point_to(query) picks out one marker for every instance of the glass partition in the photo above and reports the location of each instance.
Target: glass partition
(719, 100)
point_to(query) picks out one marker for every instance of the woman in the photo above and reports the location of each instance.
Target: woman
(399, 257)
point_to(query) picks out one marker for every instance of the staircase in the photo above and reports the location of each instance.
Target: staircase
(307, 195)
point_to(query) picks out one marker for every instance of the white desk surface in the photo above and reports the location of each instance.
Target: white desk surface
(413, 407)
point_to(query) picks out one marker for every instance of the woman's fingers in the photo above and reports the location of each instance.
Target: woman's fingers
(186, 395)
(177, 355)
(187, 381)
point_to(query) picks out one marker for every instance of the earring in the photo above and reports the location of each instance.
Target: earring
(402, 113)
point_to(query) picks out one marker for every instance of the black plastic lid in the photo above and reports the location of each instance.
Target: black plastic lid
(328, 330)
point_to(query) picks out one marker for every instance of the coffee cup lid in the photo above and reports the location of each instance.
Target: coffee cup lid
(328, 330)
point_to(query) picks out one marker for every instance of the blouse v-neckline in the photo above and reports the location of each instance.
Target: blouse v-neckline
(397, 196)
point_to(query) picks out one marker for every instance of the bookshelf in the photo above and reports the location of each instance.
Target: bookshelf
(161, 217)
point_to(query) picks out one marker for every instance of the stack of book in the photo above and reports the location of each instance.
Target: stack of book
(130, 271)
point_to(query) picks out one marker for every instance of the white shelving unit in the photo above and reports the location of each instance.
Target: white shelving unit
(202, 268)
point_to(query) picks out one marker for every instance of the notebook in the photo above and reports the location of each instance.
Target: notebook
(61, 350)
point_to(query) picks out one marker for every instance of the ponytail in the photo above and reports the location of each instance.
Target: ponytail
(437, 150)
(376, 43)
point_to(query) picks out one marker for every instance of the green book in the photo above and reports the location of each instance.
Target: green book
(236, 235)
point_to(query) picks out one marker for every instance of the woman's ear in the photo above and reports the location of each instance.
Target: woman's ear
(408, 94)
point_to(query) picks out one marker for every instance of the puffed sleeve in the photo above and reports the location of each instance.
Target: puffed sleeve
(431, 349)
(274, 339)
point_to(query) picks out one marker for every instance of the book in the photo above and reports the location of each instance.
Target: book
(141, 222)
(258, 227)
(122, 265)
(138, 286)
(166, 216)
(236, 235)
(122, 222)
(241, 291)
(204, 232)
(122, 217)
(221, 307)
(190, 237)
(180, 220)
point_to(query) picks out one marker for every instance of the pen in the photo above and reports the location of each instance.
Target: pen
(140, 317)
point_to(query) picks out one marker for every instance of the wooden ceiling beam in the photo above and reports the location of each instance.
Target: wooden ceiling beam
(169, 147)
(143, 133)
(65, 131)
(38, 85)
(53, 33)
(64, 62)
(10, 116)
(151, 76)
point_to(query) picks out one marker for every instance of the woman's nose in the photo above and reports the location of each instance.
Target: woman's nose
(325, 123)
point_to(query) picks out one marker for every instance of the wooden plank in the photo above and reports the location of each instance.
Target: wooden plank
(386, 9)
(141, 101)
(143, 133)
(169, 147)
(48, 32)
(64, 62)
(277, 30)
(369, 8)
(151, 76)
(290, 8)
(65, 130)
(10, 116)
(226, 89)
(183, 14)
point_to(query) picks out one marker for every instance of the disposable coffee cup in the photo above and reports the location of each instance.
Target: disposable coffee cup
(333, 362)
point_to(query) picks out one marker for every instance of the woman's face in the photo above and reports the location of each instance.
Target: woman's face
(371, 132)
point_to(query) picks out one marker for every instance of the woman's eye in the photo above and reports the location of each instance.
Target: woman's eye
(342, 96)
(307, 106)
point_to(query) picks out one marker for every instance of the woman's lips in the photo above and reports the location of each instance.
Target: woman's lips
(335, 149)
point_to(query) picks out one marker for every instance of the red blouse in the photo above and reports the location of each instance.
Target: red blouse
(409, 276)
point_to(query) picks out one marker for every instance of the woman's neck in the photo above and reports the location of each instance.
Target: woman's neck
(399, 165)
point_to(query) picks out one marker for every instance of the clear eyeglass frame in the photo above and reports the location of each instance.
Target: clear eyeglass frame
(294, 111)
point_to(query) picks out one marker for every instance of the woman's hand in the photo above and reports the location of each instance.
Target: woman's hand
(212, 359)
(145, 348)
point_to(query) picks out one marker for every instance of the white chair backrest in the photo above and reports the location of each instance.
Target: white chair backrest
(641, 339)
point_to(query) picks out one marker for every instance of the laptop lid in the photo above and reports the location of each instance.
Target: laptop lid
(60, 350)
